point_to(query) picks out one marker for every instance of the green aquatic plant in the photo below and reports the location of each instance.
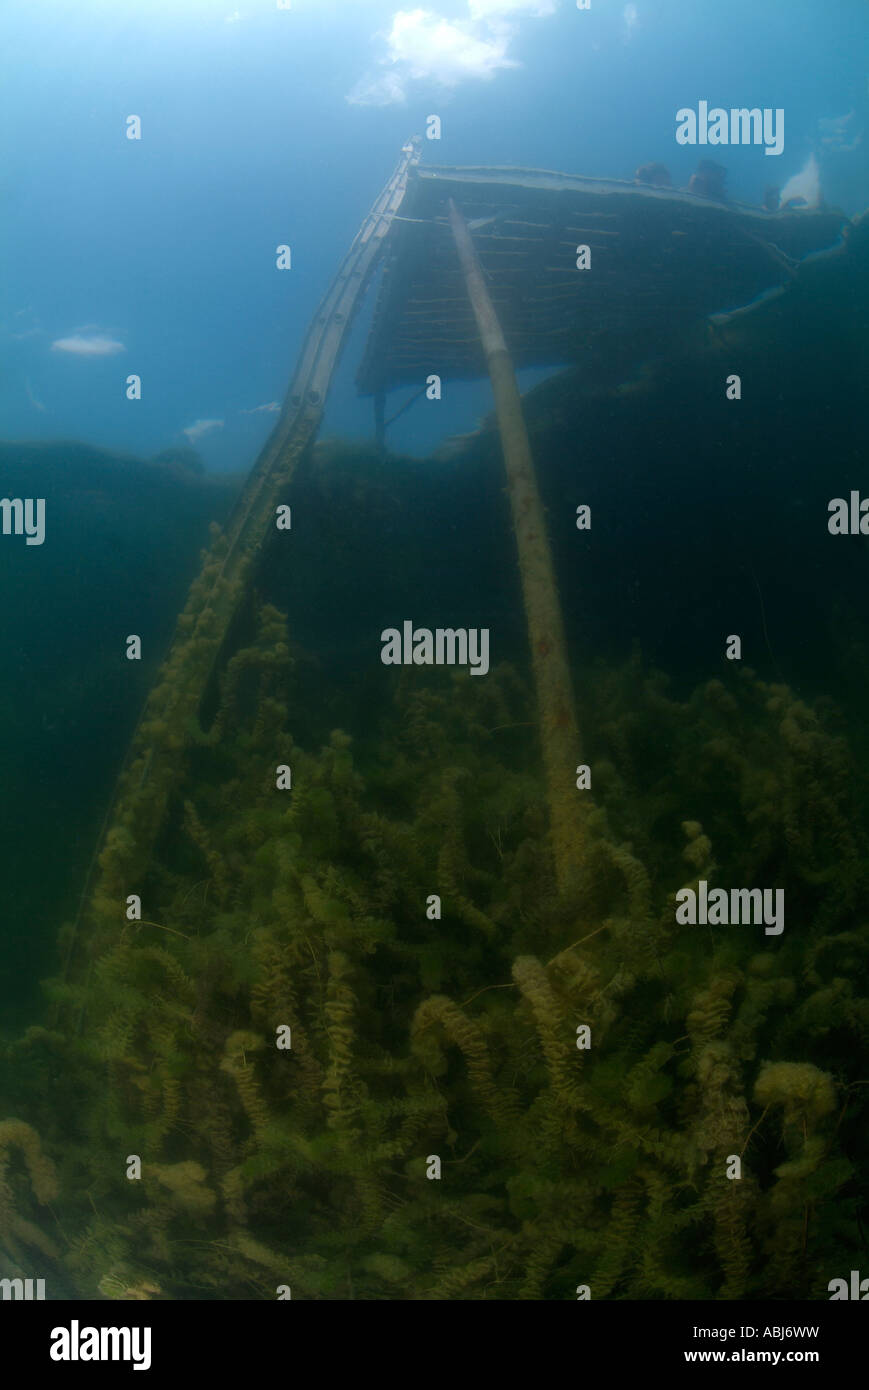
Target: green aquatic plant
(335, 1087)
(23, 1239)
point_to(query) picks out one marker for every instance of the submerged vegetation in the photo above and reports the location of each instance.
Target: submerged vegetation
(305, 915)
(308, 909)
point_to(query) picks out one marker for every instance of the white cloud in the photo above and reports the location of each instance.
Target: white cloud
(423, 46)
(520, 9)
(430, 46)
(201, 427)
(389, 89)
(83, 345)
(232, 18)
(270, 408)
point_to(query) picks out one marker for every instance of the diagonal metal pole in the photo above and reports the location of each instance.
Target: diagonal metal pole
(559, 735)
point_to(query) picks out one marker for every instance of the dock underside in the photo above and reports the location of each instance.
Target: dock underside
(660, 259)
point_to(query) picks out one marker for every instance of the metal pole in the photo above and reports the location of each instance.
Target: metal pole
(559, 735)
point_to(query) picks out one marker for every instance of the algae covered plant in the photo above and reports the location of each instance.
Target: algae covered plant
(333, 997)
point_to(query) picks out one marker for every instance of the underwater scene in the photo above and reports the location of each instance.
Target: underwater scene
(435, 644)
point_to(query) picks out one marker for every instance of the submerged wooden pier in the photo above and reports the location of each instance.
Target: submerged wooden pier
(658, 260)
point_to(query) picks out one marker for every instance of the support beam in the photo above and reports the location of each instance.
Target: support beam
(149, 774)
(559, 735)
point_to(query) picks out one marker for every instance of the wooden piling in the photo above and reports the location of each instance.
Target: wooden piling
(559, 735)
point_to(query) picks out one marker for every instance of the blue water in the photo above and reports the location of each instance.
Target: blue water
(261, 126)
(264, 126)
